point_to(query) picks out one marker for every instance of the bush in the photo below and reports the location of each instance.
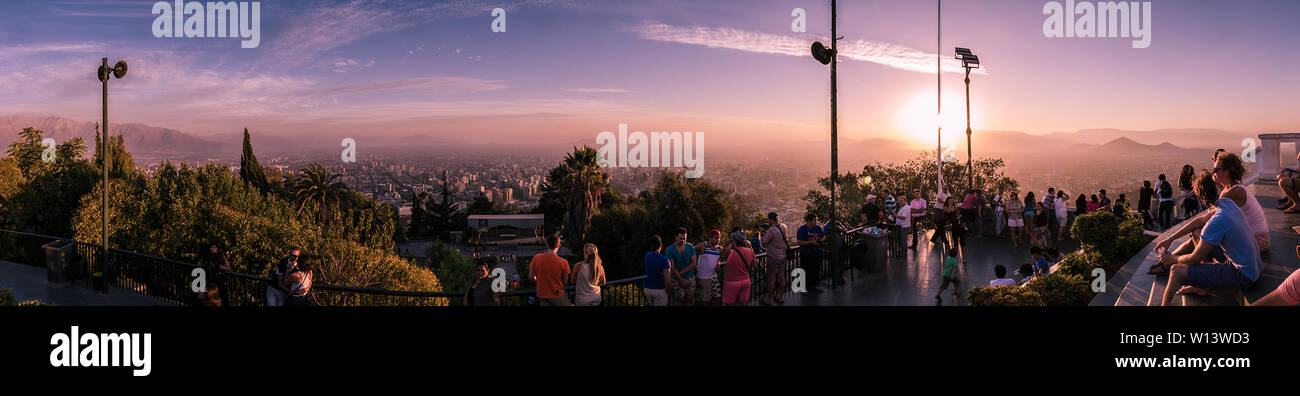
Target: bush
(1061, 290)
(1131, 239)
(34, 303)
(1082, 261)
(6, 297)
(1004, 296)
(1100, 230)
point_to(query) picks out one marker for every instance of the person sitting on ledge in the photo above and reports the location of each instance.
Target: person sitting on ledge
(1228, 172)
(1226, 238)
(1286, 294)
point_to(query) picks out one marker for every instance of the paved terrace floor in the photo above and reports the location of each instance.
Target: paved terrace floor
(913, 279)
(29, 283)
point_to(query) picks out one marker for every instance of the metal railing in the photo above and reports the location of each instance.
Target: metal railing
(170, 280)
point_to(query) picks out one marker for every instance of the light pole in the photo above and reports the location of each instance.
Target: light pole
(968, 61)
(829, 56)
(117, 71)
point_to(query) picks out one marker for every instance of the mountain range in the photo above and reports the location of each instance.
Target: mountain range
(142, 138)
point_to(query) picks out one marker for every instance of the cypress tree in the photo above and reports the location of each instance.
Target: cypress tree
(249, 169)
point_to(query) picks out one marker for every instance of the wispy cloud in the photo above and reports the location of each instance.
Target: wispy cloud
(597, 90)
(891, 55)
(434, 85)
(29, 49)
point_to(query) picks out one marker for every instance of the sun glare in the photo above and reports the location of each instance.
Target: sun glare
(918, 123)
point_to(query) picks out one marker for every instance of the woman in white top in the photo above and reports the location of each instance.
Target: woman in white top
(1062, 215)
(1232, 188)
(589, 276)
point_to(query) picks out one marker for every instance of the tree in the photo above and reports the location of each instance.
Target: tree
(453, 269)
(11, 180)
(419, 226)
(249, 169)
(46, 202)
(581, 182)
(318, 186)
(121, 163)
(447, 219)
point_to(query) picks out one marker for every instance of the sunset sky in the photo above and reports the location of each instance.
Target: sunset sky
(568, 69)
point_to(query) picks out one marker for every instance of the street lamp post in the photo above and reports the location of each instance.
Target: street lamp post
(829, 56)
(968, 61)
(117, 71)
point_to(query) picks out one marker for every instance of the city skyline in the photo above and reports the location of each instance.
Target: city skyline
(731, 69)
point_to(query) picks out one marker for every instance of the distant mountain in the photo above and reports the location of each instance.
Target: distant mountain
(139, 138)
(1198, 138)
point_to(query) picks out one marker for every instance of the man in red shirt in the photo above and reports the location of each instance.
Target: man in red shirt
(549, 271)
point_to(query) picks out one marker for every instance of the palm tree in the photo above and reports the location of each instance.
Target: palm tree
(318, 185)
(581, 181)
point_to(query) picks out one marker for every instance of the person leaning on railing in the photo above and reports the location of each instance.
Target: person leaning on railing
(480, 293)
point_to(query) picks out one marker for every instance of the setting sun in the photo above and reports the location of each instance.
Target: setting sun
(917, 121)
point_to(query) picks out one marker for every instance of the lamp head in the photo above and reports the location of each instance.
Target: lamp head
(119, 69)
(822, 54)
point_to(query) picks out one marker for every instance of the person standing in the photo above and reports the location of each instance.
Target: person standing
(740, 260)
(215, 268)
(684, 261)
(1031, 206)
(891, 205)
(1049, 205)
(658, 273)
(776, 242)
(297, 284)
(949, 277)
(276, 293)
(588, 277)
(708, 288)
(999, 214)
(811, 235)
(918, 208)
(904, 222)
(1062, 214)
(1145, 195)
(1015, 218)
(549, 272)
(1105, 201)
(1165, 192)
(979, 213)
(480, 293)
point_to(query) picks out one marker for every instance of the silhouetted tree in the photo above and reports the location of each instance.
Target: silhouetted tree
(249, 169)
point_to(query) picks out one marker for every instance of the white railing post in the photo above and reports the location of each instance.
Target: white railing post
(1267, 164)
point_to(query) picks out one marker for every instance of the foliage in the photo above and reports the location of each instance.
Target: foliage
(1082, 262)
(320, 188)
(624, 223)
(181, 210)
(121, 163)
(11, 180)
(250, 171)
(439, 217)
(453, 269)
(920, 173)
(6, 297)
(34, 303)
(581, 183)
(1099, 231)
(48, 192)
(1004, 296)
(1060, 289)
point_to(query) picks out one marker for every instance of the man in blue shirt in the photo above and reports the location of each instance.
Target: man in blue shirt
(1226, 238)
(810, 237)
(657, 273)
(684, 260)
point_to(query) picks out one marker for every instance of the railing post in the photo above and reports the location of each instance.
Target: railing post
(1266, 164)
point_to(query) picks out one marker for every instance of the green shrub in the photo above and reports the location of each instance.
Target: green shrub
(1082, 261)
(35, 303)
(1100, 230)
(6, 297)
(1130, 237)
(1004, 296)
(1061, 290)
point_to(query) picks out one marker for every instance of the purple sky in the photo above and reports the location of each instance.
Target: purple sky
(567, 70)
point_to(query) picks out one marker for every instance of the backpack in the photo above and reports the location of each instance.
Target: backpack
(1166, 190)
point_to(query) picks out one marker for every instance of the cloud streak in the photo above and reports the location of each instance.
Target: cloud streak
(891, 55)
(597, 90)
